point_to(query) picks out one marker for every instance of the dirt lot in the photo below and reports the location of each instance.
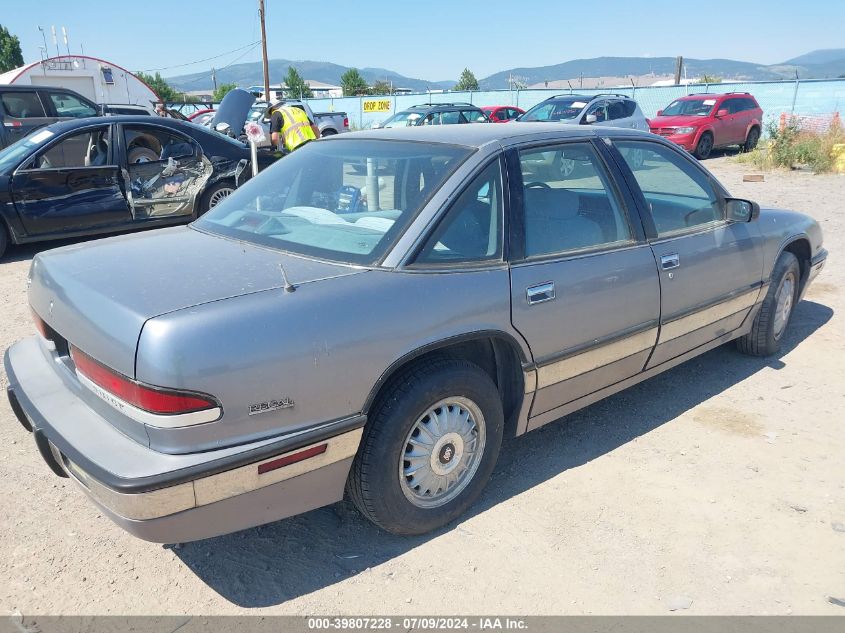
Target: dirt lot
(719, 485)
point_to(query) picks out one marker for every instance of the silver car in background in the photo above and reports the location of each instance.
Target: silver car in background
(325, 332)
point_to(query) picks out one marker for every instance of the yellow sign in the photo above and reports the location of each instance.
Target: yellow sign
(377, 105)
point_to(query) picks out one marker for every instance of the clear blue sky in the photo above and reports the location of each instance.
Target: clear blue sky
(430, 39)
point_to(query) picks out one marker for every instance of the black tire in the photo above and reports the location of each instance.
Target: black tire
(763, 339)
(374, 480)
(752, 139)
(704, 147)
(141, 154)
(4, 239)
(328, 132)
(213, 195)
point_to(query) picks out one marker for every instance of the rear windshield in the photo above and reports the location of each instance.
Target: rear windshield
(555, 110)
(341, 200)
(690, 107)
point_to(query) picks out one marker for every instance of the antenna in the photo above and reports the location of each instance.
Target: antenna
(289, 287)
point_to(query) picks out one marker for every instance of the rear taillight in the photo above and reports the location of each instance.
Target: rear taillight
(152, 405)
(345, 121)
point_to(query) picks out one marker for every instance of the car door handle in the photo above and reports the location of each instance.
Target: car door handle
(541, 293)
(667, 262)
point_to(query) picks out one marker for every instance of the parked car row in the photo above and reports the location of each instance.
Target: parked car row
(698, 123)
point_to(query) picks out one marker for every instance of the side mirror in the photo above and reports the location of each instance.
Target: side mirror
(590, 118)
(739, 210)
(721, 113)
(660, 113)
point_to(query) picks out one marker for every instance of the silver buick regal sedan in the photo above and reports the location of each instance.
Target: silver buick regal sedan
(373, 313)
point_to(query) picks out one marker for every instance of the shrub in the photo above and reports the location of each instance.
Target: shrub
(789, 146)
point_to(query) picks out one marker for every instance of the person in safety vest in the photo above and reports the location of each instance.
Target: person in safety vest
(290, 128)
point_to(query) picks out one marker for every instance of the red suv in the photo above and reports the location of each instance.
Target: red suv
(698, 123)
(502, 114)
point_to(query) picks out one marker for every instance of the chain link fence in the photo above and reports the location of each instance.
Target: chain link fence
(799, 97)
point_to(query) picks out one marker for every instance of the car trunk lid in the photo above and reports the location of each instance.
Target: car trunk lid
(98, 296)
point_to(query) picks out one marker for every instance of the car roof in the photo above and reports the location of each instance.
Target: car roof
(480, 134)
(431, 106)
(71, 124)
(710, 95)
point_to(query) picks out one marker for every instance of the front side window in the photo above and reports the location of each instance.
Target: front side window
(679, 195)
(403, 119)
(569, 202)
(599, 110)
(343, 201)
(476, 116)
(471, 231)
(620, 109)
(83, 149)
(69, 106)
(555, 110)
(22, 105)
(432, 119)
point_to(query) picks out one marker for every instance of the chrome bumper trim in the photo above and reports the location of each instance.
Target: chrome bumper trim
(206, 490)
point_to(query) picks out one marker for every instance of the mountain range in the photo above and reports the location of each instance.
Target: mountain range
(818, 64)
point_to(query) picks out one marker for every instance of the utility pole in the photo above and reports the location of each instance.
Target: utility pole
(214, 78)
(679, 64)
(264, 51)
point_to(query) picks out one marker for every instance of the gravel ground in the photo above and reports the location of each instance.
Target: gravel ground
(717, 487)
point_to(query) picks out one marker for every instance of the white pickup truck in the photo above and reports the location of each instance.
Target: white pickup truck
(327, 122)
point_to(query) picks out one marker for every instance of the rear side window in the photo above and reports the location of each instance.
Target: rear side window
(621, 109)
(451, 117)
(69, 106)
(22, 105)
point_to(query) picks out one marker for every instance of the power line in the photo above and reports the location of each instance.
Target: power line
(203, 77)
(199, 61)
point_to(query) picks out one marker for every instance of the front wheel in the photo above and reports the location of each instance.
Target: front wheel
(770, 323)
(429, 447)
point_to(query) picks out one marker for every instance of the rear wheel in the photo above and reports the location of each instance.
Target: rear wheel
(429, 447)
(751, 141)
(771, 321)
(215, 195)
(704, 147)
(327, 132)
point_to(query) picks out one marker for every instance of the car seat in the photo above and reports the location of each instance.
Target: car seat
(553, 222)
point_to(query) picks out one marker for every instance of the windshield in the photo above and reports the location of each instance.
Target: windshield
(12, 155)
(690, 107)
(344, 200)
(256, 112)
(402, 119)
(556, 110)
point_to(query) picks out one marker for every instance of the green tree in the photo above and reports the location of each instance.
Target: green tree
(353, 83)
(381, 88)
(10, 50)
(222, 90)
(296, 86)
(165, 91)
(467, 81)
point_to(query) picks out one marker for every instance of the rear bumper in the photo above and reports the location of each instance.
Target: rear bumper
(175, 498)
